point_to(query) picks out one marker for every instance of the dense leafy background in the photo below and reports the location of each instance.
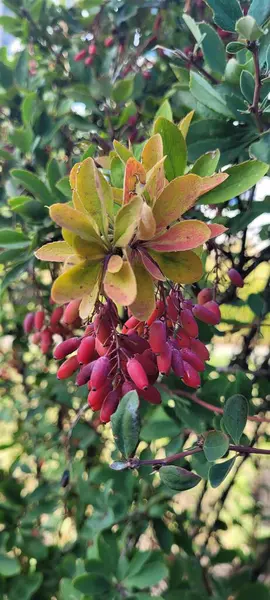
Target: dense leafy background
(115, 534)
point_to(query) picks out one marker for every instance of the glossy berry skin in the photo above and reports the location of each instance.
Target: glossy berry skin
(80, 55)
(151, 395)
(66, 347)
(157, 336)
(71, 312)
(85, 373)
(45, 341)
(157, 313)
(86, 350)
(182, 338)
(96, 398)
(205, 315)
(137, 374)
(164, 359)
(39, 319)
(200, 349)
(191, 376)
(56, 315)
(28, 323)
(128, 386)
(100, 372)
(177, 363)
(109, 405)
(188, 323)
(192, 359)
(68, 368)
(205, 295)
(236, 278)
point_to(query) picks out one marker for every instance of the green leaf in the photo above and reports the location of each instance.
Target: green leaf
(25, 586)
(213, 48)
(235, 416)
(63, 186)
(260, 11)
(9, 566)
(250, 591)
(123, 90)
(247, 85)
(150, 575)
(29, 108)
(215, 445)
(178, 479)
(68, 591)
(13, 274)
(174, 147)
(248, 28)
(123, 152)
(261, 149)
(22, 138)
(225, 13)
(92, 583)
(241, 178)
(256, 303)
(21, 73)
(234, 47)
(13, 239)
(117, 172)
(6, 76)
(126, 424)
(27, 207)
(164, 111)
(193, 27)
(208, 95)
(219, 472)
(33, 184)
(164, 535)
(206, 165)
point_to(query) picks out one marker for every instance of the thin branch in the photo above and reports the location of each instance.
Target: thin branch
(236, 369)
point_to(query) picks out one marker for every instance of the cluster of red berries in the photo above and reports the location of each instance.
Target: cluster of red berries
(43, 325)
(112, 362)
(88, 54)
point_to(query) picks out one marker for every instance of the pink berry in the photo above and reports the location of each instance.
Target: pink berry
(68, 368)
(28, 323)
(66, 347)
(109, 405)
(188, 323)
(192, 359)
(86, 350)
(137, 373)
(191, 376)
(236, 278)
(157, 336)
(205, 295)
(80, 55)
(100, 372)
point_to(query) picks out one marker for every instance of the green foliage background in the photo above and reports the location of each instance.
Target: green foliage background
(125, 534)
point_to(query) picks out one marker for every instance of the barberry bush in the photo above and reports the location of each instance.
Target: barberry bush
(135, 300)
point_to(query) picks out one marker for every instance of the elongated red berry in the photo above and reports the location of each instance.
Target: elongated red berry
(39, 319)
(157, 336)
(97, 397)
(137, 374)
(86, 350)
(28, 323)
(164, 359)
(214, 308)
(157, 312)
(193, 359)
(109, 41)
(206, 316)
(89, 61)
(148, 361)
(103, 329)
(200, 349)
(134, 343)
(56, 315)
(80, 55)
(205, 295)
(182, 338)
(188, 323)
(236, 278)
(100, 372)
(68, 368)
(66, 347)
(36, 337)
(89, 329)
(151, 395)
(71, 312)
(191, 376)
(131, 323)
(177, 363)
(100, 349)
(173, 307)
(128, 386)
(92, 49)
(85, 373)
(45, 341)
(109, 405)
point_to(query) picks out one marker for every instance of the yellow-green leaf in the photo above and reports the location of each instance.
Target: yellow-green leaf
(144, 303)
(180, 267)
(185, 123)
(174, 147)
(152, 152)
(74, 221)
(155, 182)
(206, 164)
(73, 175)
(54, 252)
(88, 302)
(77, 282)
(105, 193)
(87, 184)
(126, 221)
(121, 286)
(241, 178)
(185, 235)
(89, 250)
(177, 197)
(135, 178)
(123, 152)
(147, 224)
(209, 183)
(115, 263)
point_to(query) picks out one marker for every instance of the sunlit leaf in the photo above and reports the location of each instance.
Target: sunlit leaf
(54, 252)
(115, 263)
(87, 184)
(185, 235)
(152, 152)
(87, 304)
(206, 164)
(126, 221)
(123, 152)
(177, 197)
(241, 178)
(77, 282)
(89, 250)
(216, 229)
(121, 286)
(155, 182)
(147, 224)
(180, 267)
(151, 265)
(185, 123)
(74, 221)
(174, 147)
(209, 183)
(144, 303)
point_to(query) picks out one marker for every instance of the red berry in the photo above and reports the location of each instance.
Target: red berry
(86, 350)
(188, 323)
(182, 338)
(191, 376)
(127, 386)
(108, 42)
(137, 373)
(109, 405)
(89, 329)
(173, 307)
(45, 341)
(28, 323)
(100, 349)
(80, 55)
(157, 336)
(200, 349)
(192, 359)
(177, 363)
(103, 329)
(56, 315)
(205, 315)
(89, 61)
(71, 311)
(214, 308)
(97, 397)
(205, 295)
(39, 319)
(92, 49)
(85, 373)
(100, 372)
(130, 324)
(157, 313)
(151, 395)
(36, 338)
(146, 74)
(148, 361)
(66, 347)
(164, 359)
(236, 278)
(68, 368)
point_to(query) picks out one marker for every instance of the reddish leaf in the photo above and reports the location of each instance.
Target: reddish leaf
(177, 197)
(185, 235)
(134, 176)
(216, 229)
